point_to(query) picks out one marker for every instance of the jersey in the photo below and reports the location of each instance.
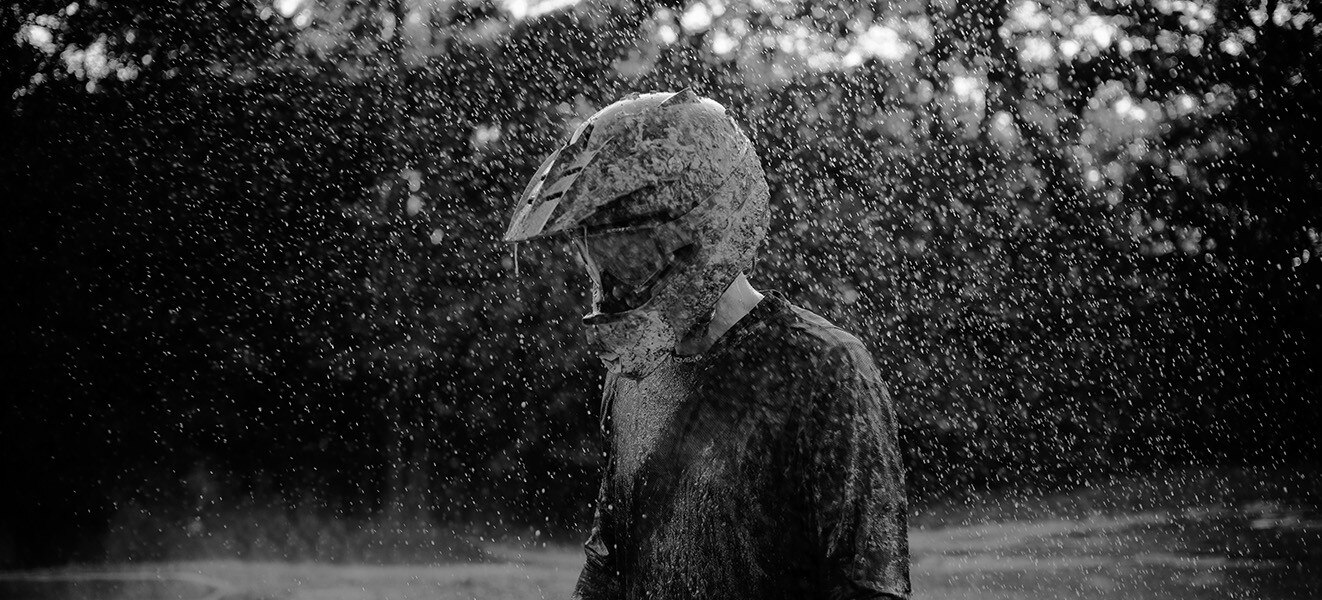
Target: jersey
(767, 467)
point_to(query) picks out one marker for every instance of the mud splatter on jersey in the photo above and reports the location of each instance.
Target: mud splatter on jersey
(768, 467)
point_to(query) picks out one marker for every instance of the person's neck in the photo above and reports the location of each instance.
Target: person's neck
(737, 301)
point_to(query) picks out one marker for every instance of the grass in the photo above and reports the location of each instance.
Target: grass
(1187, 534)
(265, 533)
(1164, 490)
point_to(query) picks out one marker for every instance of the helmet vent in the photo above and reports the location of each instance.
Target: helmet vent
(631, 210)
(583, 134)
(684, 96)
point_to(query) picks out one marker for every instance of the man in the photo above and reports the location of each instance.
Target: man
(753, 449)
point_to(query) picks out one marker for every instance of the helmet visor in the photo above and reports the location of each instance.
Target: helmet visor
(632, 257)
(623, 266)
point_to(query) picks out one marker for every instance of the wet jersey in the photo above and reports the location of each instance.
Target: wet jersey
(767, 467)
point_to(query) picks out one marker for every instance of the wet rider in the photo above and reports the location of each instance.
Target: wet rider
(753, 451)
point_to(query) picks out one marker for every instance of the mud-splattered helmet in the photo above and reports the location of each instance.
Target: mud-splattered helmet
(666, 201)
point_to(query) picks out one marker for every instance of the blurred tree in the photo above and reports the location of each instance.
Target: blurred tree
(260, 242)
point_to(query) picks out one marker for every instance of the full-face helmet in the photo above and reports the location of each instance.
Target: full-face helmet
(665, 199)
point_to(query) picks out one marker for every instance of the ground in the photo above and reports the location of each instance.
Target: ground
(1177, 534)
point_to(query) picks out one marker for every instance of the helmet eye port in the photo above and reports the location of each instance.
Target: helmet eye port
(626, 267)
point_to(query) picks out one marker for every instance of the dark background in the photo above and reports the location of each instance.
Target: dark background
(255, 302)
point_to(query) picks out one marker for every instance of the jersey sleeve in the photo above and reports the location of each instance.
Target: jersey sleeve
(600, 578)
(855, 479)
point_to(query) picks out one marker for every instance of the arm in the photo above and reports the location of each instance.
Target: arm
(855, 483)
(600, 578)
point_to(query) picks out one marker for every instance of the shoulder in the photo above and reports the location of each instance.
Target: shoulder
(838, 394)
(789, 357)
(809, 337)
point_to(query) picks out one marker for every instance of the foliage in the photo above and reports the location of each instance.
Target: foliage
(262, 240)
